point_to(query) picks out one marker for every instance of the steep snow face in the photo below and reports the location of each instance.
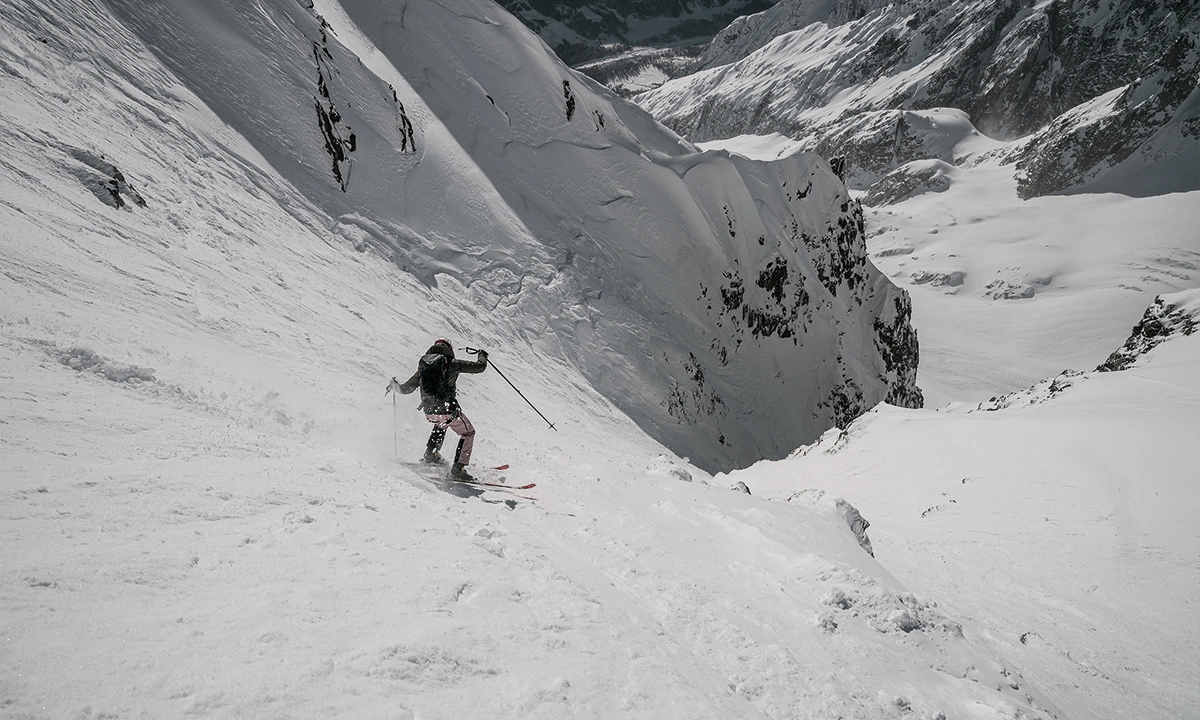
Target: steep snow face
(1059, 520)
(812, 70)
(726, 305)
(707, 274)
(751, 32)
(201, 514)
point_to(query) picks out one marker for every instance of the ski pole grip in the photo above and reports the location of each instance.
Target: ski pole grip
(471, 350)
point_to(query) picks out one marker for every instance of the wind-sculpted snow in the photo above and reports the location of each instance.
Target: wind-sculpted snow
(823, 72)
(644, 232)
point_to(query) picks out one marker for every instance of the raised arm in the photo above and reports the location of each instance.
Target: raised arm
(471, 366)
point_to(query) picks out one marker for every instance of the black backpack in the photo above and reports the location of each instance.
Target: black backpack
(434, 372)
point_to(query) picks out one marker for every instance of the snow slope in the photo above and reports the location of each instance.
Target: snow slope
(605, 231)
(1063, 521)
(201, 300)
(1060, 521)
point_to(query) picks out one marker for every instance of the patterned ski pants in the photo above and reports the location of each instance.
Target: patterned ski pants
(459, 424)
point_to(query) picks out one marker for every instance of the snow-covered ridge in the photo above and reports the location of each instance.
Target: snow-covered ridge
(582, 29)
(823, 72)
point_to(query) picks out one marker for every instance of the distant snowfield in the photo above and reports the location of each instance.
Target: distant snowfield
(756, 147)
(1007, 291)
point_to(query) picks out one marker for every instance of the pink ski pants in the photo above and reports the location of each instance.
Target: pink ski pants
(463, 427)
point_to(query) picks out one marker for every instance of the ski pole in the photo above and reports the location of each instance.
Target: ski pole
(473, 351)
(394, 385)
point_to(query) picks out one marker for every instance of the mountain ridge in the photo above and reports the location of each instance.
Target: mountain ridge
(813, 70)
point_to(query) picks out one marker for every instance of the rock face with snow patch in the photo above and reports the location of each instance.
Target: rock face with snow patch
(818, 70)
(1140, 139)
(915, 178)
(1168, 316)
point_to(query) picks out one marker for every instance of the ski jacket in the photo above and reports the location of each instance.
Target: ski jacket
(447, 402)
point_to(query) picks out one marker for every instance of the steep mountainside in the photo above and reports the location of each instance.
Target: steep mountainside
(225, 225)
(580, 30)
(727, 306)
(1106, 89)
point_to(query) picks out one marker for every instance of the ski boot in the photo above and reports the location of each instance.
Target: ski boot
(459, 472)
(432, 457)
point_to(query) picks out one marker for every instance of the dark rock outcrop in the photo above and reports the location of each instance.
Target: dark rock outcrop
(1160, 109)
(908, 181)
(104, 180)
(822, 501)
(1173, 315)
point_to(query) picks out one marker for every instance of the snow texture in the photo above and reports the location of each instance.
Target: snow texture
(1060, 521)
(205, 506)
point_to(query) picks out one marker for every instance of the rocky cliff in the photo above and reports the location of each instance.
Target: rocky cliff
(1101, 91)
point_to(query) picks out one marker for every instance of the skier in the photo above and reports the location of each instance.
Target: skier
(437, 377)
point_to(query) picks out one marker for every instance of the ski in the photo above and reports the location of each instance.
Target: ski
(483, 486)
(422, 469)
(492, 484)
